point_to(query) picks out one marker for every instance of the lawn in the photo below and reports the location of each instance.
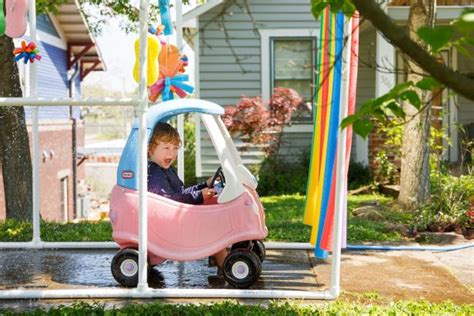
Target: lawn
(229, 307)
(284, 218)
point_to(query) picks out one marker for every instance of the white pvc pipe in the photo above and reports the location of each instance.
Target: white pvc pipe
(271, 245)
(164, 293)
(91, 245)
(179, 45)
(68, 101)
(35, 129)
(142, 164)
(341, 177)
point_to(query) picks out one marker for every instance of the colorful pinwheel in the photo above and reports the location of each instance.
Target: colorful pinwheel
(166, 86)
(28, 52)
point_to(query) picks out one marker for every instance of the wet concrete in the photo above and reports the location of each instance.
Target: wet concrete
(393, 275)
(54, 269)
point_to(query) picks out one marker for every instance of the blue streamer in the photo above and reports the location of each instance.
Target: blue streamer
(165, 16)
(177, 81)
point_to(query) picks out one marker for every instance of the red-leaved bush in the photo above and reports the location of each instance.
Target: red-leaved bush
(261, 124)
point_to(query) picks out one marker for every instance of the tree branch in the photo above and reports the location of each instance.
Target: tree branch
(398, 37)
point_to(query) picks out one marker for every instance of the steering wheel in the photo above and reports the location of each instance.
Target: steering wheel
(218, 174)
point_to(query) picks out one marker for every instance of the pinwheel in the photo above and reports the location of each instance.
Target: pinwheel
(166, 86)
(28, 52)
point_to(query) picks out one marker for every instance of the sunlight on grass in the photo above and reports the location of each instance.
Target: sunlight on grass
(284, 219)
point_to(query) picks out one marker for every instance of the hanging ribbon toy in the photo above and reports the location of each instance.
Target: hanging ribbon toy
(165, 16)
(28, 52)
(156, 30)
(172, 80)
(167, 85)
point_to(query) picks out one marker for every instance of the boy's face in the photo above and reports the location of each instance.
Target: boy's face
(164, 154)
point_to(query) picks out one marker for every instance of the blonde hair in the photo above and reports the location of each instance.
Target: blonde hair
(164, 133)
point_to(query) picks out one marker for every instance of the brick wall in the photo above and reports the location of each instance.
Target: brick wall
(55, 163)
(377, 142)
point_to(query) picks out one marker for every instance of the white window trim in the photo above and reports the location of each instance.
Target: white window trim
(265, 49)
(197, 92)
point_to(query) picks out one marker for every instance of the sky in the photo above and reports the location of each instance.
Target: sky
(117, 50)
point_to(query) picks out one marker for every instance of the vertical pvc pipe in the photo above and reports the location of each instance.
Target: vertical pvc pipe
(179, 44)
(341, 168)
(142, 164)
(34, 129)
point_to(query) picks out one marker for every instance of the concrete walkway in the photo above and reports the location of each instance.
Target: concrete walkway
(395, 275)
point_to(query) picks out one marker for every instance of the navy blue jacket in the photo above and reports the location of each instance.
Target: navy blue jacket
(165, 182)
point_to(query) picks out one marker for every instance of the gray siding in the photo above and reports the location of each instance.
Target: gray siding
(224, 81)
(466, 107)
(366, 72)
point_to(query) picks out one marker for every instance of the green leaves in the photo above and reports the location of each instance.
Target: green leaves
(428, 83)
(459, 34)
(389, 105)
(363, 127)
(346, 6)
(437, 37)
(317, 7)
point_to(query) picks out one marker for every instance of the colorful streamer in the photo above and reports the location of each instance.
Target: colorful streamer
(321, 189)
(29, 52)
(166, 86)
(166, 16)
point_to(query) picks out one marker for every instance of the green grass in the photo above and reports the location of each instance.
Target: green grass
(273, 308)
(284, 219)
(11, 230)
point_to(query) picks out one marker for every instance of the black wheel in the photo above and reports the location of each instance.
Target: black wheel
(125, 267)
(259, 249)
(242, 268)
(241, 245)
(256, 246)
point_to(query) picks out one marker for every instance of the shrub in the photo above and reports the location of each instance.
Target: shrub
(358, 175)
(448, 208)
(277, 176)
(259, 123)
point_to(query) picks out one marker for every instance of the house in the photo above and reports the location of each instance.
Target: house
(248, 47)
(69, 54)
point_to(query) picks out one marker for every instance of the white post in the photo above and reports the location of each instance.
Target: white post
(34, 130)
(142, 165)
(179, 45)
(341, 165)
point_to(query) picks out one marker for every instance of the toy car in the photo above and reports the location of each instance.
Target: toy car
(183, 232)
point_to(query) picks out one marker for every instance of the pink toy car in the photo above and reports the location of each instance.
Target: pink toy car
(184, 232)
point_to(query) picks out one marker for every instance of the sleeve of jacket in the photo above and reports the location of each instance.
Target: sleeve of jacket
(158, 184)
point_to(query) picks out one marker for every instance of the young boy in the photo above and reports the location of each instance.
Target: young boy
(162, 179)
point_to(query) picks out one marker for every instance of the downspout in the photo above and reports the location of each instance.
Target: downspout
(74, 142)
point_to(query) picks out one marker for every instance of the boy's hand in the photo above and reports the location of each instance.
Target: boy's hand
(209, 181)
(207, 193)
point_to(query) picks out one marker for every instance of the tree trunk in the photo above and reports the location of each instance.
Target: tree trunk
(15, 157)
(415, 167)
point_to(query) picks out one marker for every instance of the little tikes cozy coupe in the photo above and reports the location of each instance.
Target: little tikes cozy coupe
(183, 232)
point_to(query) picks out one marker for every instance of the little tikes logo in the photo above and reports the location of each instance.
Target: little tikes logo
(127, 174)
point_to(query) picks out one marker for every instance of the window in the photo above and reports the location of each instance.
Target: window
(293, 66)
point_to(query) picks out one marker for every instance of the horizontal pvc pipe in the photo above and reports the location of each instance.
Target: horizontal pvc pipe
(163, 293)
(411, 248)
(112, 245)
(271, 245)
(59, 245)
(67, 101)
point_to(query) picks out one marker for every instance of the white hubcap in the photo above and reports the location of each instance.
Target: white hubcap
(129, 267)
(240, 270)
